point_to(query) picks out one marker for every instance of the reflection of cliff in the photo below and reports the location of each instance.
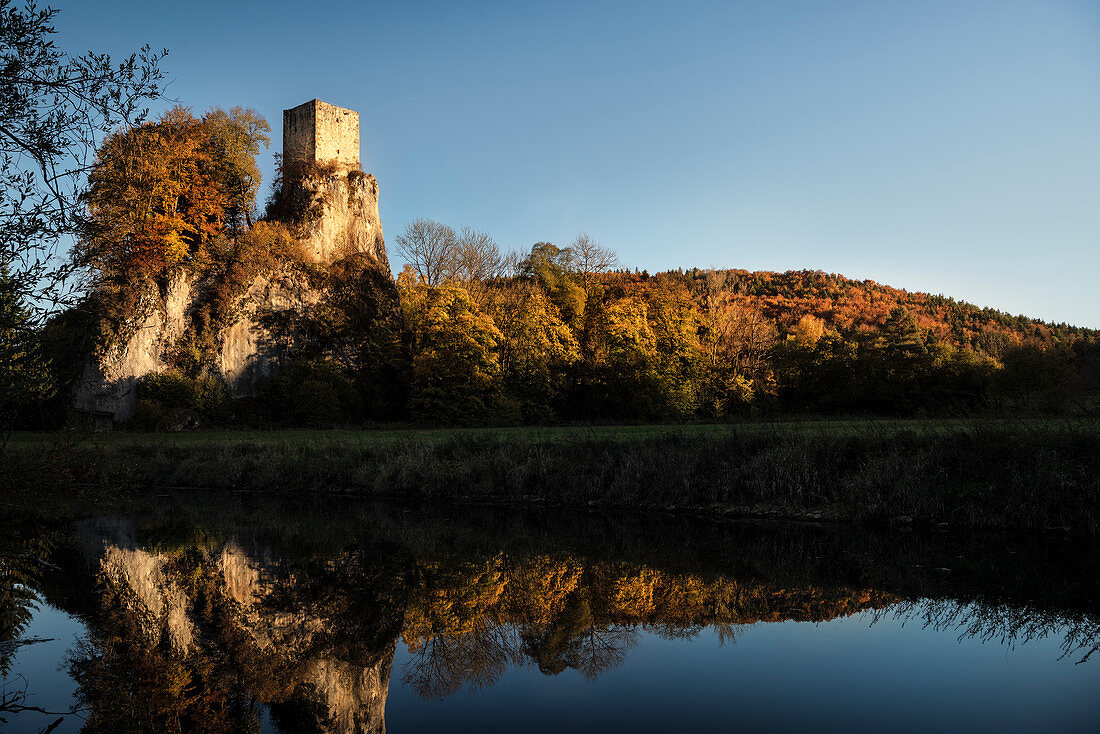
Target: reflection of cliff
(209, 633)
(213, 631)
(177, 633)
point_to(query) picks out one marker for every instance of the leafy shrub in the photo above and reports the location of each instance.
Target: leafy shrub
(310, 392)
(174, 401)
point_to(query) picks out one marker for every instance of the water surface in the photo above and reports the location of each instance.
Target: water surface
(255, 614)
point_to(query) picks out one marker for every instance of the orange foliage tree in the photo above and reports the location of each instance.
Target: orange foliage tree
(163, 192)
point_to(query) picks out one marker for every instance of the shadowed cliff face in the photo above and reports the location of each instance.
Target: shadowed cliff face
(333, 215)
(194, 623)
(107, 383)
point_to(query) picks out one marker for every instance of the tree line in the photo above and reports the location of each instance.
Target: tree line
(471, 334)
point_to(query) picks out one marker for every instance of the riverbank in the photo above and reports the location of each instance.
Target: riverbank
(1020, 475)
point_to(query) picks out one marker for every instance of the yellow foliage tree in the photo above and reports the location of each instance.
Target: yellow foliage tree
(456, 369)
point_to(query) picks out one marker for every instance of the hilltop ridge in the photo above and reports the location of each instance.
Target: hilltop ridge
(849, 303)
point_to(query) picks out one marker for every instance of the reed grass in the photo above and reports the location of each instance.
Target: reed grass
(1019, 475)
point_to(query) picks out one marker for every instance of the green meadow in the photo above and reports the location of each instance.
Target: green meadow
(1009, 474)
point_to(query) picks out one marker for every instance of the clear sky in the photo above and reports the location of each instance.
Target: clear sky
(950, 147)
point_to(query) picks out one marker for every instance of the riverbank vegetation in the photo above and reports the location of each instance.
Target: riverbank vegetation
(1035, 476)
(548, 342)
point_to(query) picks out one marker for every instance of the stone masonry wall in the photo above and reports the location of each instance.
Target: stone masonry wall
(337, 136)
(299, 143)
(319, 132)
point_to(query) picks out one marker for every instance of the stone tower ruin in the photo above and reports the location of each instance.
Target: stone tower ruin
(317, 132)
(332, 211)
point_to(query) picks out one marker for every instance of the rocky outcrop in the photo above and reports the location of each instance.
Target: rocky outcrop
(332, 209)
(341, 216)
(336, 219)
(107, 384)
(248, 348)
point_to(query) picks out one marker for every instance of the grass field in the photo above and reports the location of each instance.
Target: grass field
(838, 427)
(1019, 474)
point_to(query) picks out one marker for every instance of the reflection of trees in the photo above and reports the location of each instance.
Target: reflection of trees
(441, 664)
(576, 640)
(466, 623)
(1005, 623)
(349, 605)
(131, 674)
(23, 560)
(17, 604)
(312, 636)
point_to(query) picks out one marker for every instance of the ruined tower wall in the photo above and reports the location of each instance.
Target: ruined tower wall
(337, 136)
(317, 132)
(299, 142)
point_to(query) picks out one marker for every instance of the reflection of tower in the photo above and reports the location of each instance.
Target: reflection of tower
(350, 693)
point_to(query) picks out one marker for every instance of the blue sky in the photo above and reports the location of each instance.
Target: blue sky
(946, 147)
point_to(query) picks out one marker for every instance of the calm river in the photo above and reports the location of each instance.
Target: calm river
(255, 614)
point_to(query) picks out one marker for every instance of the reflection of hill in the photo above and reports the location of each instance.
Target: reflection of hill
(195, 624)
(464, 624)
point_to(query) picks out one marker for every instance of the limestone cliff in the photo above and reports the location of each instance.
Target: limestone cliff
(106, 386)
(335, 218)
(341, 217)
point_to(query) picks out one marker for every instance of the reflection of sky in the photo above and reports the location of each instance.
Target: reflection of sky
(43, 665)
(836, 676)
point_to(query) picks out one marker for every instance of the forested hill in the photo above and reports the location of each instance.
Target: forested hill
(845, 305)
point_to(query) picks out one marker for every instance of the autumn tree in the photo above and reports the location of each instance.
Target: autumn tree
(807, 331)
(430, 249)
(589, 260)
(736, 340)
(552, 268)
(479, 262)
(469, 258)
(455, 367)
(161, 193)
(54, 109)
(537, 348)
(235, 138)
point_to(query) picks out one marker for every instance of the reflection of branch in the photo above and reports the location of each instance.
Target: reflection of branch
(13, 645)
(442, 663)
(11, 702)
(603, 648)
(1010, 625)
